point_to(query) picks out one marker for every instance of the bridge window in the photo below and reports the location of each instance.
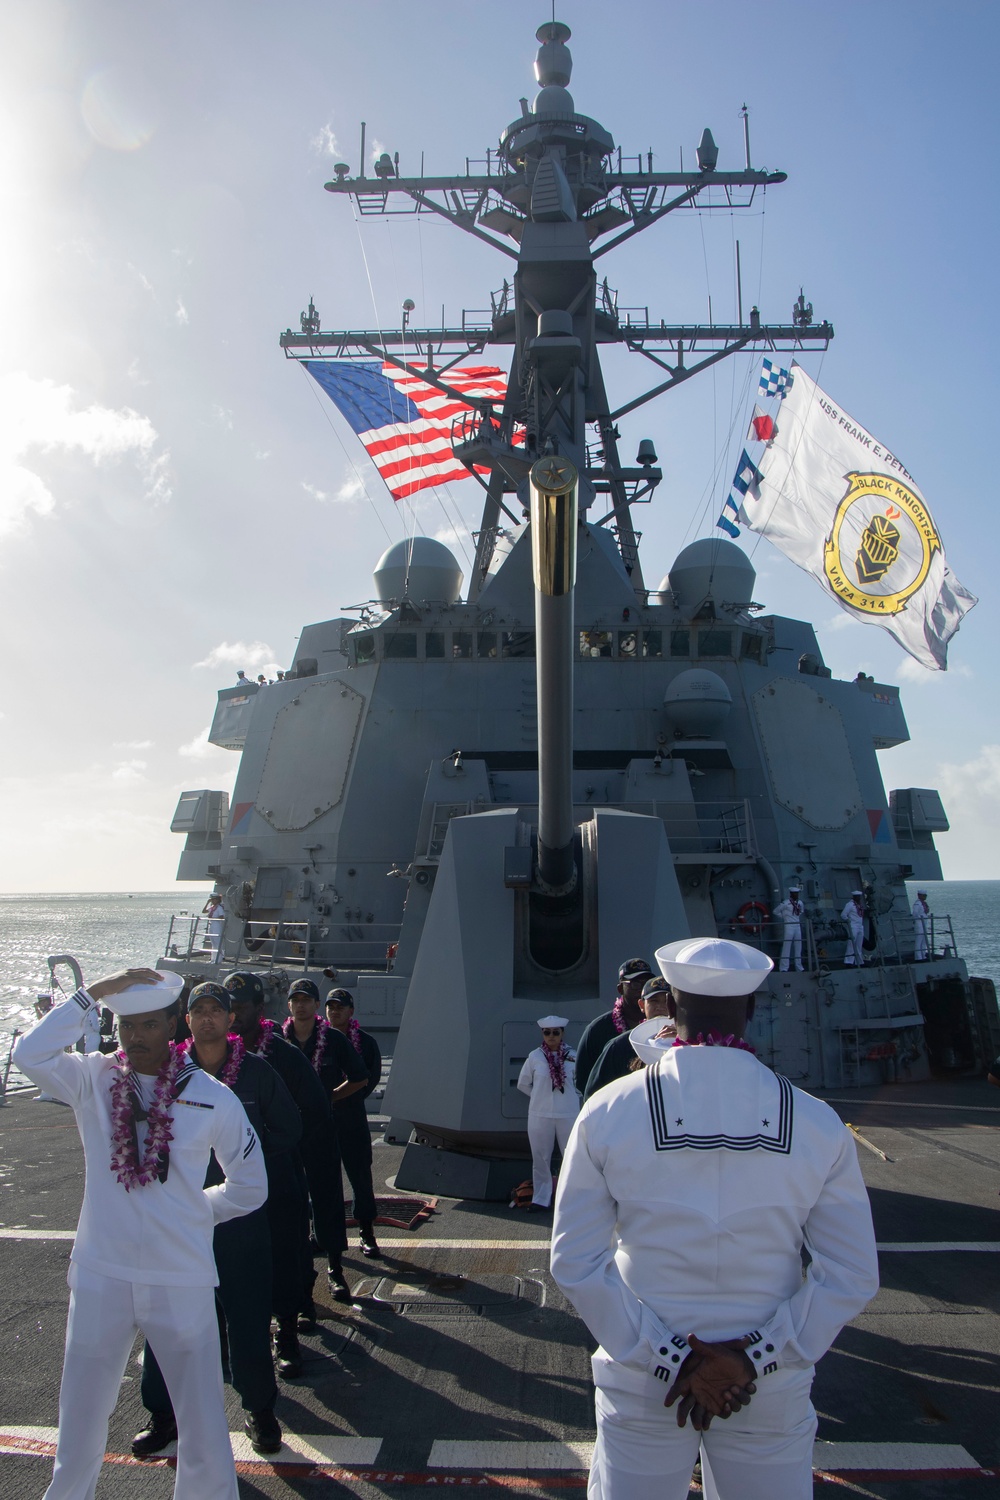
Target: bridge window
(680, 643)
(715, 642)
(517, 643)
(652, 644)
(628, 644)
(402, 645)
(751, 647)
(434, 645)
(486, 645)
(461, 645)
(364, 649)
(596, 643)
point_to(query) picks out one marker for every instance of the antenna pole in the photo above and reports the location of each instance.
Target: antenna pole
(361, 173)
(746, 134)
(739, 286)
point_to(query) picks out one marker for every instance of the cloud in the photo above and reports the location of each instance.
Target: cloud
(181, 313)
(129, 770)
(199, 747)
(325, 143)
(140, 277)
(222, 417)
(133, 745)
(311, 489)
(252, 656)
(351, 489)
(261, 453)
(43, 417)
(912, 671)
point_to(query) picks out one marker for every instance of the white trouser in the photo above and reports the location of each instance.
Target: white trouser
(763, 1452)
(543, 1132)
(791, 948)
(215, 930)
(181, 1326)
(854, 953)
(920, 940)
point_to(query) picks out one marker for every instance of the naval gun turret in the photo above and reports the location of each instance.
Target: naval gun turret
(556, 766)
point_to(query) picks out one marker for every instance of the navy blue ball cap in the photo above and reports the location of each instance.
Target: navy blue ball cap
(243, 985)
(655, 986)
(209, 990)
(340, 997)
(634, 968)
(304, 987)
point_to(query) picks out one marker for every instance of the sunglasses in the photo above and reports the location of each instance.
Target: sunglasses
(552, 1031)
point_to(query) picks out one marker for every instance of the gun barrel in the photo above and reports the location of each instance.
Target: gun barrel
(553, 549)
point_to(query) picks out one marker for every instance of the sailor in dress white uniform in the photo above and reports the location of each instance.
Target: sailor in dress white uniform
(854, 915)
(688, 1195)
(552, 1106)
(791, 912)
(921, 926)
(142, 1257)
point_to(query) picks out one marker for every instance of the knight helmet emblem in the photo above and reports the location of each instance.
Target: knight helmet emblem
(878, 550)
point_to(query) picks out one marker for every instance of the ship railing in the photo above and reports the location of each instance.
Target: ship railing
(939, 936)
(355, 941)
(189, 938)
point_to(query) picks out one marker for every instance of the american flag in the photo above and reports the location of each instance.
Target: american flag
(404, 423)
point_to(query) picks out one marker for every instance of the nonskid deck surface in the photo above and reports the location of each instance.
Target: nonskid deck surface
(461, 1366)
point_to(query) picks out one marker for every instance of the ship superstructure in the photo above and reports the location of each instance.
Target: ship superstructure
(474, 805)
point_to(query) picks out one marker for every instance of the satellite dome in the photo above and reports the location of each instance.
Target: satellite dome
(711, 568)
(697, 704)
(554, 100)
(420, 569)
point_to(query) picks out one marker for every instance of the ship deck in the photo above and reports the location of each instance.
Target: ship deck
(460, 1364)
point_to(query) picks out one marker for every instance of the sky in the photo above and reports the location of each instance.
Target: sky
(175, 499)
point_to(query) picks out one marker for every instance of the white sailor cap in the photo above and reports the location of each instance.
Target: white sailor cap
(793, 890)
(139, 998)
(647, 1043)
(857, 893)
(713, 966)
(560, 1021)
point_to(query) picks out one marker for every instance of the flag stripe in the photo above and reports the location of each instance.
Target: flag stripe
(403, 421)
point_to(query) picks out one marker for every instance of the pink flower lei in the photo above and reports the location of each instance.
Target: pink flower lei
(557, 1065)
(322, 1039)
(616, 1014)
(265, 1038)
(715, 1039)
(234, 1061)
(126, 1109)
(354, 1034)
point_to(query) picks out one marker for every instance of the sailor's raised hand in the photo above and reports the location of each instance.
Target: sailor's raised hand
(124, 980)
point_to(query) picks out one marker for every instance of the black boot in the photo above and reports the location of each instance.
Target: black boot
(306, 1321)
(339, 1289)
(287, 1354)
(264, 1430)
(369, 1245)
(161, 1432)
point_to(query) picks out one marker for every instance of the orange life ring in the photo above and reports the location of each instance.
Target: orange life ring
(752, 915)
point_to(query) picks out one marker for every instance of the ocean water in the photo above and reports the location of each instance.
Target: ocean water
(113, 931)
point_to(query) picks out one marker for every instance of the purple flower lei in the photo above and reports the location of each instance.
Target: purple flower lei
(233, 1063)
(616, 1014)
(125, 1163)
(322, 1040)
(715, 1039)
(354, 1034)
(557, 1065)
(264, 1039)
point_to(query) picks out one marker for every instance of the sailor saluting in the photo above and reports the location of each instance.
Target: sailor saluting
(791, 912)
(149, 1119)
(708, 1176)
(854, 915)
(921, 923)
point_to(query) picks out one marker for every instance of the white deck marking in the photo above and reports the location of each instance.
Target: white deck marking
(321, 1448)
(334, 1449)
(413, 1241)
(979, 1109)
(506, 1455)
(843, 1457)
(929, 1247)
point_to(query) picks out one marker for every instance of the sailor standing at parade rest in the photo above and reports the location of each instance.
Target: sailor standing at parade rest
(351, 1117)
(921, 927)
(854, 915)
(547, 1077)
(713, 1231)
(618, 1058)
(149, 1119)
(791, 912)
(623, 1015)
